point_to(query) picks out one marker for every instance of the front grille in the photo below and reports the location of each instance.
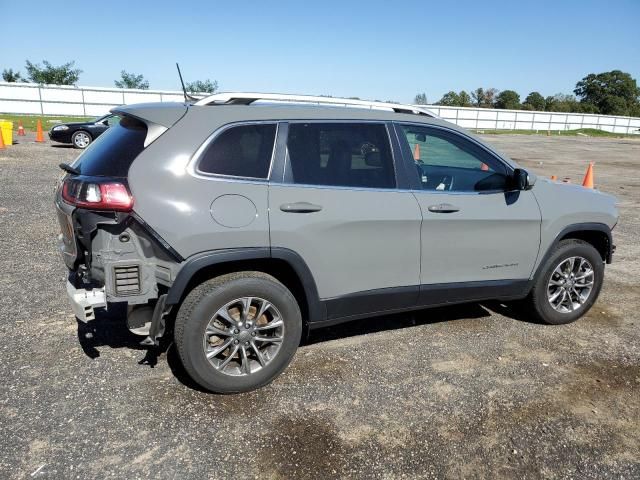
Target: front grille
(127, 280)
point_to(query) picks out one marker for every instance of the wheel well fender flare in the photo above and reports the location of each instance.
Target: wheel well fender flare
(200, 261)
(579, 228)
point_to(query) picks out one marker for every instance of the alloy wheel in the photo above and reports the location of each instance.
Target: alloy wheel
(81, 140)
(243, 336)
(570, 284)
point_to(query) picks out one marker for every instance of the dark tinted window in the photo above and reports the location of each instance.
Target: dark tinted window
(341, 154)
(447, 161)
(113, 152)
(242, 151)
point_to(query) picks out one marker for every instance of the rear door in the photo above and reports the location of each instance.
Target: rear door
(476, 232)
(339, 207)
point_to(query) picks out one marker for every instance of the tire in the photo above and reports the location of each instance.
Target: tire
(81, 139)
(541, 299)
(203, 311)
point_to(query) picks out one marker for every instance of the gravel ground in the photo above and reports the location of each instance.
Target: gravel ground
(465, 392)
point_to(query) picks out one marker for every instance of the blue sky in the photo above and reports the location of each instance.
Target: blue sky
(371, 49)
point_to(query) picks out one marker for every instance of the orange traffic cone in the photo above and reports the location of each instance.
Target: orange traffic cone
(484, 167)
(416, 152)
(588, 177)
(2, 147)
(20, 129)
(554, 178)
(39, 136)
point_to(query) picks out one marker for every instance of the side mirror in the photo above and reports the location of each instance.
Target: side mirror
(521, 179)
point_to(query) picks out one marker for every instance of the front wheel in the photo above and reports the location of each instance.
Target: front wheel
(237, 332)
(568, 283)
(81, 139)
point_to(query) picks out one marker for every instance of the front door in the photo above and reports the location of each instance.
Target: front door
(474, 228)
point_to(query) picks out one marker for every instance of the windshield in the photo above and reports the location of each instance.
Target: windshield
(101, 119)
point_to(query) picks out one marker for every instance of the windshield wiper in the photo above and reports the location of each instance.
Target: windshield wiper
(69, 169)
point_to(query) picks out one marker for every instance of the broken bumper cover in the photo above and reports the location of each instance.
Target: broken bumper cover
(84, 301)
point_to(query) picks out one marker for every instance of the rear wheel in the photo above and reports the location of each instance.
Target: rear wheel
(81, 139)
(568, 284)
(237, 332)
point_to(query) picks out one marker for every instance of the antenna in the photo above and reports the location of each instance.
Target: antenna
(187, 97)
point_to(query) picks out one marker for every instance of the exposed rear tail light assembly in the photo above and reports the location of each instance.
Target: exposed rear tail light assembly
(103, 195)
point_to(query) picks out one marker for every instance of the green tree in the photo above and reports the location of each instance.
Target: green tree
(465, 99)
(478, 97)
(202, 86)
(450, 99)
(534, 101)
(508, 99)
(420, 99)
(610, 92)
(8, 75)
(612, 105)
(53, 75)
(131, 80)
(564, 103)
(484, 98)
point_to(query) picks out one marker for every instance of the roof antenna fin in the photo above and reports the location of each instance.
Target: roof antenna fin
(187, 98)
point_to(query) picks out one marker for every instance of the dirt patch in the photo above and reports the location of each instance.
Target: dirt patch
(305, 446)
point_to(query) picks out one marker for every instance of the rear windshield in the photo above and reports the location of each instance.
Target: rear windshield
(113, 152)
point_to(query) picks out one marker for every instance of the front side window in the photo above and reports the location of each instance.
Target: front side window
(240, 151)
(445, 161)
(340, 154)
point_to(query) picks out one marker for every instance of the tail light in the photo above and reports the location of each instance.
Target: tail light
(108, 195)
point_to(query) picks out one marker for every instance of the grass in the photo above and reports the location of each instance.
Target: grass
(590, 132)
(29, 121)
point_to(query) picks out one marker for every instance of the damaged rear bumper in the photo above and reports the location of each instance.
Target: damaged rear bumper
(83, 302)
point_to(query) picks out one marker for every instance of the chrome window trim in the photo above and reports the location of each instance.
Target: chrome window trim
(453, 192)
(335, 187)
(394, 164)
(401, 190)
(194, 161)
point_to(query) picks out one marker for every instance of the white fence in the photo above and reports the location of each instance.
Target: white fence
(28, 98)
(34, 99)
(495, 119)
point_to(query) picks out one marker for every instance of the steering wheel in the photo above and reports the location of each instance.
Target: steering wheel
(447, 183)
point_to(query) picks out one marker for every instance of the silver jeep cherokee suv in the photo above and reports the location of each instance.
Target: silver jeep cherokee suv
(243, 220)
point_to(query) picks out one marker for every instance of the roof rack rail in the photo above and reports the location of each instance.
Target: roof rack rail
(245, 98)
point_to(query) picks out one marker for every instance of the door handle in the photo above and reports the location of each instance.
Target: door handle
(443, 208)
(300, 207)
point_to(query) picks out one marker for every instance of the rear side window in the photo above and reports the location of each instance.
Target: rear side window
(341, 154)
(113, 152)
(242, 151)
